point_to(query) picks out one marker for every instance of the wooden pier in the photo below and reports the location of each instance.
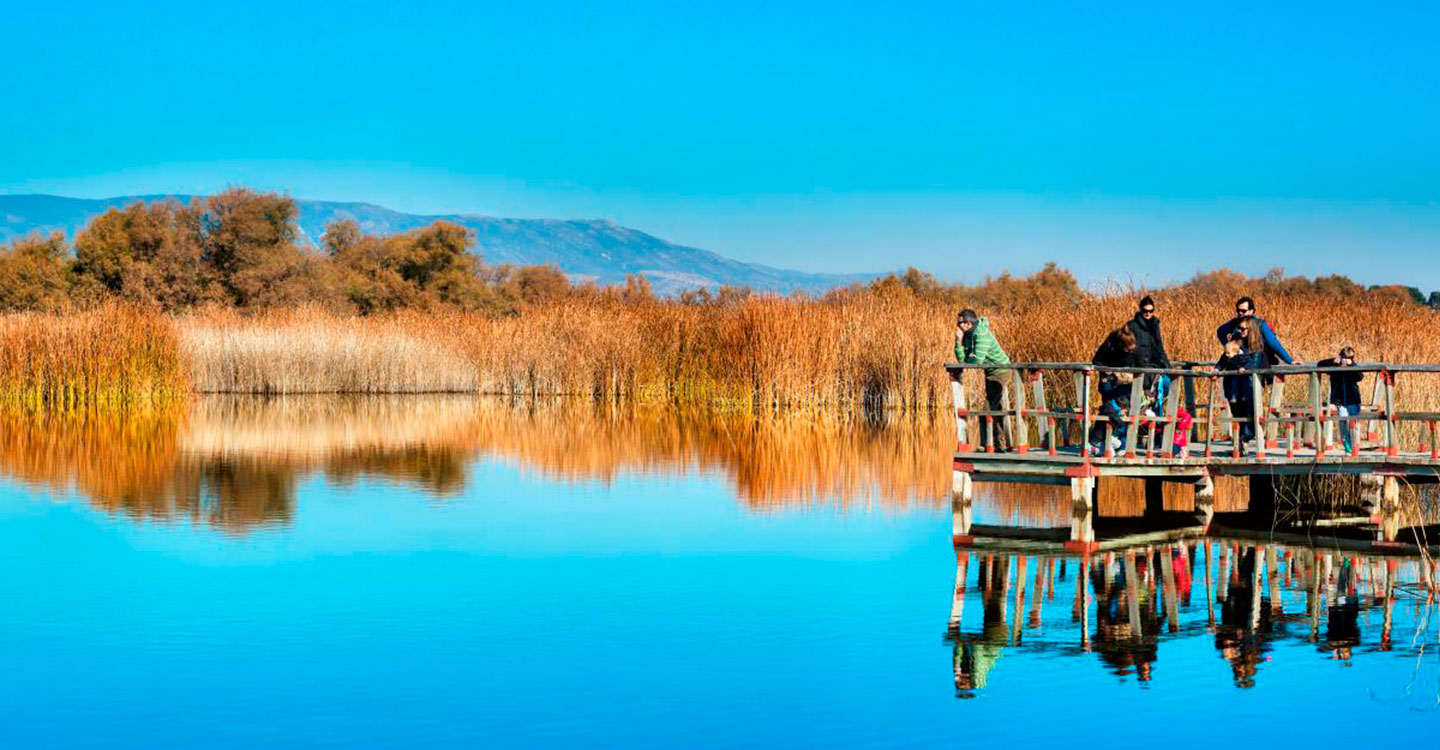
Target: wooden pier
(1060, 432)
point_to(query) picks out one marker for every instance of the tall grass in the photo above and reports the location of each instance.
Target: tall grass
(113, 356)
(305, 350)
(759, 353)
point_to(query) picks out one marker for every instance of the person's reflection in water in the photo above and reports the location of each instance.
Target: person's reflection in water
(1342, 622)
(1244, 634)
(1126, 627)
(975, 655)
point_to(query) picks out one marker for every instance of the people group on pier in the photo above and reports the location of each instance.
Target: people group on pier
(1247, 341)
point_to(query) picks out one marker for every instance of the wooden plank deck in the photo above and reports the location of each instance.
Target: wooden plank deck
(1068, 462)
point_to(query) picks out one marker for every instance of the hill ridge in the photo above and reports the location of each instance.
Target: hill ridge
(585, 249)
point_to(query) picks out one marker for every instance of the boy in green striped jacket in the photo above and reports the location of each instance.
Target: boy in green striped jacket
(975, 344)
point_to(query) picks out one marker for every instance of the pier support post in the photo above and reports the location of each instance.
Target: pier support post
(1154, 498)
(962, 492)
(1205, 500)
(1082, 510)
(1381, 496)
(1262, 498)
(1372, 486)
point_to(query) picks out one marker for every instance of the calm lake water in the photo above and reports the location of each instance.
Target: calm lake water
(469, 572)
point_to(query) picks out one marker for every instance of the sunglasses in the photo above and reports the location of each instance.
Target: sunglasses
(1147, 310)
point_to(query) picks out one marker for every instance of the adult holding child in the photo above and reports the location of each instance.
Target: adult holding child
(1272, 351)
(976, 344)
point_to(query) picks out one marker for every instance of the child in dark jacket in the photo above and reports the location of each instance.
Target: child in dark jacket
(1240, 389)
(1345, 391)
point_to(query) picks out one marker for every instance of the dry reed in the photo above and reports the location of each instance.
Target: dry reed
(760, 353)
(307, 351)
(113, 356)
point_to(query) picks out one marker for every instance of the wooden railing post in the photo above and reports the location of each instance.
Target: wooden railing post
(1132, 418)
(1172, 406)
(1372, 434)
(1257, 406)
(1209, 412)
(1392, 432)
(1020, 429)
(962, 418)
(1272, 411)
(1189, 382)
(1082, 397)
(1045, 425)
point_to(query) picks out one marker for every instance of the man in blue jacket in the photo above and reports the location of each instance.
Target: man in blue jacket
(1245, 308)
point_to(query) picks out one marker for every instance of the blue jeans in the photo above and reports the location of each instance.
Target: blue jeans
(1347, 427)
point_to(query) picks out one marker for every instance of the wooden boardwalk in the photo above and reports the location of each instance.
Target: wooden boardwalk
(1054, 426)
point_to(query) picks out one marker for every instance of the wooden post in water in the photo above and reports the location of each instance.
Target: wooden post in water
(1016, 631)
(1205, 500)
(957, 604)
(1172, 597)
(1209, 591)
(1132, 592)
(1082, 511)
(962, 492)
(1272, 578)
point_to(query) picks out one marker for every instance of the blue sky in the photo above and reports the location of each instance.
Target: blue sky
(1136, 140)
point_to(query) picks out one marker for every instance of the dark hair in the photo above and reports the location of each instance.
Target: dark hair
(1347, 352)
(1245, 301)
(969, 316)
(1146, 301)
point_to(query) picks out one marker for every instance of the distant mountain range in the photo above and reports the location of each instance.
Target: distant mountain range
(584, 249)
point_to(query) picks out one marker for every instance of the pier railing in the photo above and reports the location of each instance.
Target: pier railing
(1061, 409)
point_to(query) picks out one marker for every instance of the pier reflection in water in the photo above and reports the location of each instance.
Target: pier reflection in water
(1126, 608)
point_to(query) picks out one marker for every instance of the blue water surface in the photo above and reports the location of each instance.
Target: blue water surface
(654, 609)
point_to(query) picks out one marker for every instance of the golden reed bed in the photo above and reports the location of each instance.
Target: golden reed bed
(753, 354)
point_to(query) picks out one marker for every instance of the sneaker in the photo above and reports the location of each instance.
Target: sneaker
(1115, 444)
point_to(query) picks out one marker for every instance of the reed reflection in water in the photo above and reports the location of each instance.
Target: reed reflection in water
(236, 462)
(1127, 608)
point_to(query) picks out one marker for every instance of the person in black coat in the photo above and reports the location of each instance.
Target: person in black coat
(1117, 350)
(1344, 390)
(1149, 344)
(1150, 348)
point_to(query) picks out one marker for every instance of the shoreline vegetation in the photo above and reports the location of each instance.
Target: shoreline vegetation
(158, 300)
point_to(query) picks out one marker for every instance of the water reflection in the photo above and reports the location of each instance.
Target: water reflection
(1128, 608)
(235, 462)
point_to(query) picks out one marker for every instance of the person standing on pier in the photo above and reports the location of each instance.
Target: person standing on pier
(1344, 390)
(1150, 347)
(1273, 351)
(976, 344)
(1242, 356)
